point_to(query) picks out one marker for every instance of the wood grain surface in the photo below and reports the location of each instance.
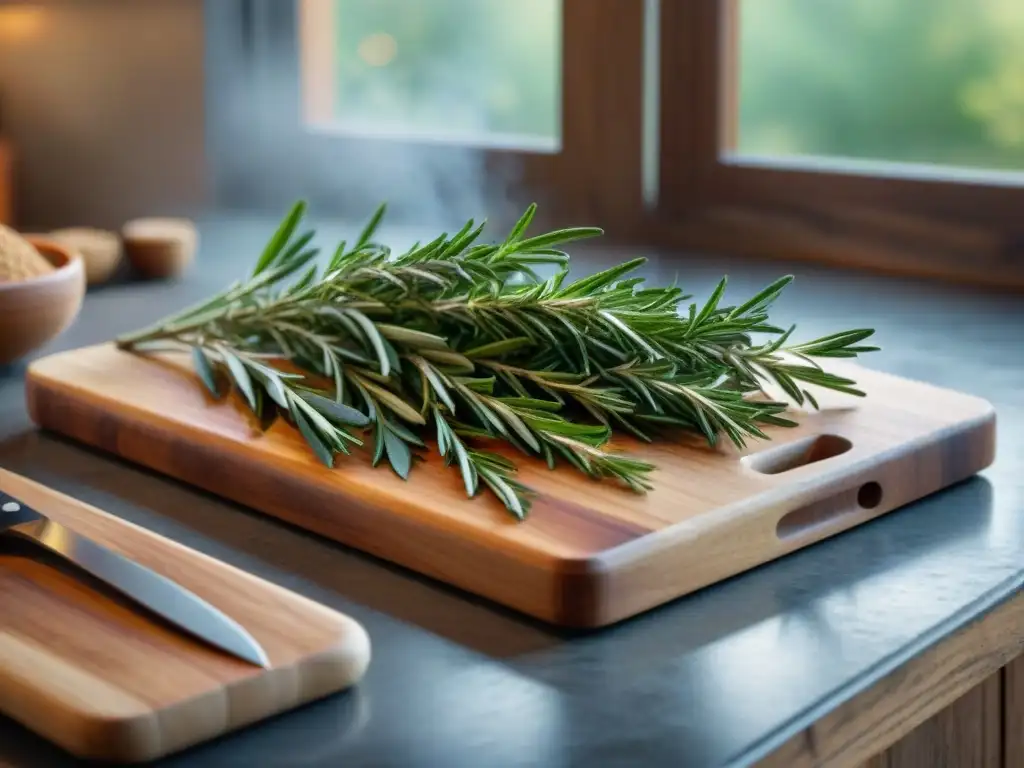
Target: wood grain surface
(102, 680)
(936, 696)
(966, 734)
(1013, 713)
(590, 553)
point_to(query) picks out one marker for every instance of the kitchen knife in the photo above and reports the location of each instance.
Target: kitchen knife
(156, 593)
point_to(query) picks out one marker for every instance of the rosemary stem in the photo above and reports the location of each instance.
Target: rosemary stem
(158, 333)
(553, 367)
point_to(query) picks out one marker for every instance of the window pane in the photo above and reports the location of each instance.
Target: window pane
(471, 71)
(936, 82)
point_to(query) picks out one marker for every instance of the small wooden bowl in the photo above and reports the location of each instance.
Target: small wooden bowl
(100, 250)
(160, 248)
(33, 312)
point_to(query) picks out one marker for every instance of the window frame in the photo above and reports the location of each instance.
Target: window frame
(970, 230)
(595, 177)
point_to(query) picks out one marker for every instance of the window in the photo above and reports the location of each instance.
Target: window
(472, 72)
(446, 109)
(878, 133)
(874, 83)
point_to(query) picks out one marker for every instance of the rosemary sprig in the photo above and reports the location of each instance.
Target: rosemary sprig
(465, 344)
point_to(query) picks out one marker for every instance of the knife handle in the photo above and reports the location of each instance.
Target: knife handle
(14, 512)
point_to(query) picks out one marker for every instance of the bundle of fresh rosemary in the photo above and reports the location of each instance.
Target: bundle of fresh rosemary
(462, 342)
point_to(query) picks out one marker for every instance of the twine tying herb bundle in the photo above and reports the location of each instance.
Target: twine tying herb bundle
(463, 343)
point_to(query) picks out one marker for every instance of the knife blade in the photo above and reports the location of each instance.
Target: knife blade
(153, 591)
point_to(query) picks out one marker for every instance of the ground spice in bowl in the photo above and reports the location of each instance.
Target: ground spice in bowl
(19, 260)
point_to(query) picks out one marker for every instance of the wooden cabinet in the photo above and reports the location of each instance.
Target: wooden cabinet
(966, 734)
(958, 704)
(984, 728)
(1013, 714)
(6, 184)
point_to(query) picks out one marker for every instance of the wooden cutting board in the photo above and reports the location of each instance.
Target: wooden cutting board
(98, 678)
(590, 553)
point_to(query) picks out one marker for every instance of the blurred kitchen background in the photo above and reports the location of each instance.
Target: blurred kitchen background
(114, 109)
(103, 105)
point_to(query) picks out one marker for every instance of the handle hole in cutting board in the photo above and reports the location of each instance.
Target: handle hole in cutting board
(827, 511)
(869, 495)
(799, 453)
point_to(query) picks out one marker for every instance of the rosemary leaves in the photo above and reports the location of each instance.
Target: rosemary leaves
(463, 343)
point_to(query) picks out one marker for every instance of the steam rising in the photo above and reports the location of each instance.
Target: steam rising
(427, 183)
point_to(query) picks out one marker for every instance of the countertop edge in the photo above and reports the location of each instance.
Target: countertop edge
(930, 640)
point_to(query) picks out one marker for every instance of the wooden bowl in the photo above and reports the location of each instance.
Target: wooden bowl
(33, 312)
(160, 248)
(100, 250)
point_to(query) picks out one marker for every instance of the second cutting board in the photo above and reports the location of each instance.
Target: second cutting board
(590, 553)
(105, 681)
